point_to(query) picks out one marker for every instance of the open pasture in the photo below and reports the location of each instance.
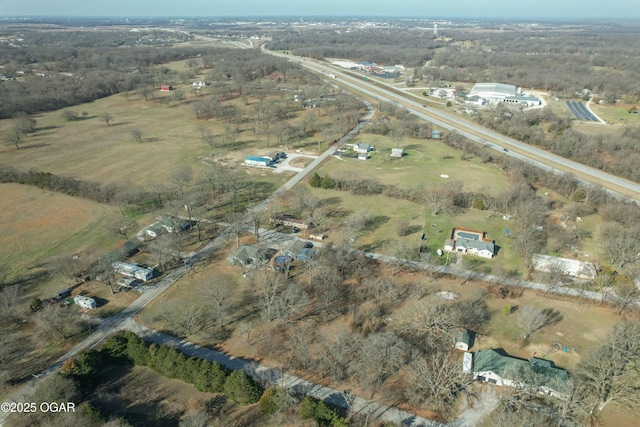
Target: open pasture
(37, 224)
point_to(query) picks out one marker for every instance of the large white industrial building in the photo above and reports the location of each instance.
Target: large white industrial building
(483, 93)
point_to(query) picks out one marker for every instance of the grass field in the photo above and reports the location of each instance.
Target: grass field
(36, 224)
(424, 162)
(617, 114)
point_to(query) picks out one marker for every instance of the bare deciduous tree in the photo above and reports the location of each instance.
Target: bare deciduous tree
(532, 319)
(185, 318)
(107, 118)
(137, 135)
(220, 293)
(57, 322)
(10, 309)
(436, 380)
(181, 178)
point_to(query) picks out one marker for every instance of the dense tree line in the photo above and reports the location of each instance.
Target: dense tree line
(602, 59)
(82, 72)
(616, 155)
(384, 46)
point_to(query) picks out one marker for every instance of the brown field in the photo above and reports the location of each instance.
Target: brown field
(144, 398)
(36, 224)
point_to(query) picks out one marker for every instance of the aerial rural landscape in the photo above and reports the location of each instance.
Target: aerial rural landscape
(305, 221)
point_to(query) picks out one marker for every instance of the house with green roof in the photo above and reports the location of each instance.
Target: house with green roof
(539, 375)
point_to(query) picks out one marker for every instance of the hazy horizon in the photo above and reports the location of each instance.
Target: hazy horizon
(461, 9)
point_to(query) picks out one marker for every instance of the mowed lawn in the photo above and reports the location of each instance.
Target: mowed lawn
(36, 224)
(423, 166)
(424, 162)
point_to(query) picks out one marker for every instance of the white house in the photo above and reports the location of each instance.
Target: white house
(478, 248)
(133, 270)
(84, 302)
(362, 148)
(470, 242)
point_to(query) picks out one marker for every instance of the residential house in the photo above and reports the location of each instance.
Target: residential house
(247, 254)
(85, 302)
(470, 242)
(133, 270)
(288, 221)
(362, 148)
(168, 224)
(295, 248)
(503, 370)
(480, 248)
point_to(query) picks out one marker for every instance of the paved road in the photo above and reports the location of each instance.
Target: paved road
(486, 137)
(275, 376)
(116, 322)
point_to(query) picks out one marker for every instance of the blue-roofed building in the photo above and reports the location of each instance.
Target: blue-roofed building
(257, 161)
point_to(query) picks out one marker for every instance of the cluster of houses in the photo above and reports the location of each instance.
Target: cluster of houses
(259, 256)
(283, 252)
(470, 242)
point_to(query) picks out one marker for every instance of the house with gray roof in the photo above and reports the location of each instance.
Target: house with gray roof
(293, 248)
(471, 242)
(479, 248)
(247, 254)
(362, 148)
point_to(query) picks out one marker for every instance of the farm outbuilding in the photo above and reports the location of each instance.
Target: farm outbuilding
(257, 161)
(463, 340)
(568, 267)
(397, 152)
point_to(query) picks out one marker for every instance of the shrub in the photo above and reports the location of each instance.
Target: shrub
(269, 401)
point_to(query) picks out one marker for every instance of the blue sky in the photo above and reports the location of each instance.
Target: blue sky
(537, 9)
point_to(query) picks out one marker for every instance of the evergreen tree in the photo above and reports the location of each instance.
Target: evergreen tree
(240, 388)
